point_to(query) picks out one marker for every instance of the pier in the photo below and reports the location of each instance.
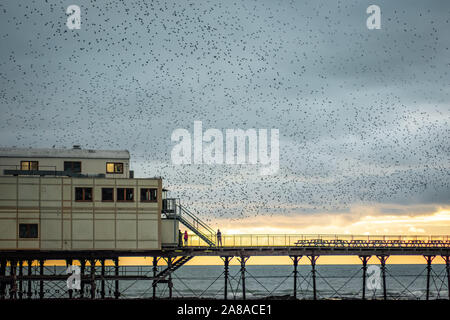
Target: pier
(25, 273)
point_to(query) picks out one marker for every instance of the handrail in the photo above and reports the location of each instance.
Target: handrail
(196, 219)
(311, 240)
(174, 209)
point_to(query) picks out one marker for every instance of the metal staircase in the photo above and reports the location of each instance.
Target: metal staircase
(175, 265)
(174, 210)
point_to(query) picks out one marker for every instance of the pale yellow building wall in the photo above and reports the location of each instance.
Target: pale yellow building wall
(66, 224)
(170, 231)
(88, 166)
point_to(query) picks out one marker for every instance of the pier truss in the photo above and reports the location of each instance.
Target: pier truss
(29, 274)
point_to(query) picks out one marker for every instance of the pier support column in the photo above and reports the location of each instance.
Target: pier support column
(41, 281)
(20, 279)
(447, 268)
(69, 263)
(295, 260)
(155, 273)
(364, 260)
(82, 269)
(2, 275)
(92, 282)
(29, 271)
(13, 284)
(102, 291)
(313, 260)
(226, 262)
(116, 272)
(429, 261)
(383, 259)
(169, 283)
(243, 260)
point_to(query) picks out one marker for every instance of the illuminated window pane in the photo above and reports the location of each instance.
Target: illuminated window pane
(110, 167)
(29, 165)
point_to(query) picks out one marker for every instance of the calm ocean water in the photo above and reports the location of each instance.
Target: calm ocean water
(333, 282)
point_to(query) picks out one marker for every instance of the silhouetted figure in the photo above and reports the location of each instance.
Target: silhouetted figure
(219, 238)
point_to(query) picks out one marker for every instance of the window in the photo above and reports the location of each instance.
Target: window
(28, 230)
(149, 195)
(72, 166)
(29, 165)
(114, 167)
(107, 194)
(125, 194)
(83, 194)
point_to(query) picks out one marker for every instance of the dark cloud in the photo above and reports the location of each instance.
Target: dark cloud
(363, 115)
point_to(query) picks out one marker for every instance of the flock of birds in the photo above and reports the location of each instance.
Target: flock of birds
(363, 115)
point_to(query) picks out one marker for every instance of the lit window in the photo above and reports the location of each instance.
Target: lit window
(28, 230)
(114, 167)
(149, 195)
(29, 165)
(83, 194)
(125, 194)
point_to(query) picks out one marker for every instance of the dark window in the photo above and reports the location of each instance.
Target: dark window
(73, 166)
(107, 194)
(149, 195)
(83, 194)
(29, 165)
(114, 167)
(28, 230)
(125, 194)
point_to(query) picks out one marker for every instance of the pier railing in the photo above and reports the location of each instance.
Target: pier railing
(292, 240)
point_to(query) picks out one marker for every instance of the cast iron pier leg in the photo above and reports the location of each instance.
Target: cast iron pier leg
(29, 270)
(313, 260)
(102, 292)
(429, 261)
(383, 259)
(20, 279)
(243, 260)
(41, 282)
(82, 268)
(364, 260)
(226, 261)
(2, 274)
(447, 268)
(116, 271)
(170, 284)
(295, 260)
(155, 273)
(92, 278)
(13, 284)
(69, 263)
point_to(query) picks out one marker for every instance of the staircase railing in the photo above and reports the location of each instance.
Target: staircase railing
(173, 209)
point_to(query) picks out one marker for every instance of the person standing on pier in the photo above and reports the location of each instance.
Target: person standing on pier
(185, 238)
(219, 238)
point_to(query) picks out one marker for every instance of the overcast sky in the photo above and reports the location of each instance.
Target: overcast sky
(363, 114)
